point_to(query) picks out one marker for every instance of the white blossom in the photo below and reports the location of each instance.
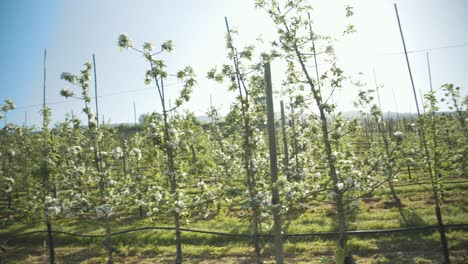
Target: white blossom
(66, 92)
(136, 152)
(52, 206)
(179, 206)
(50, 162)
(68, 77)
(11, 180)
(167, 45)
(124, 41)
(173, 145)
(399, 135)
(10, 103)
(152, 125)
(340, 185)
(197, 200)
(201, 185)
(12, 152)
(104, 210)
(75, 150)
(117, 153)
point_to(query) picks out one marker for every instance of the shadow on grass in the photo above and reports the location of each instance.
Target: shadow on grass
(409, 218)
(406, 247)
(80, 255)
(22, 254)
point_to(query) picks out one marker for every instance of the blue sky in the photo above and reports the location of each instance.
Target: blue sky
(73, 30)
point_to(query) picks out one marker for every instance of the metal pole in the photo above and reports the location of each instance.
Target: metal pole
(443, 238)
(407, 61)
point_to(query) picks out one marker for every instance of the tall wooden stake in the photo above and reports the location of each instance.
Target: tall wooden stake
(377, 90)
(273, 166)
(211, 108)
(45, 80)
(429, 70)
(170, 107)
(134, 113)
(46, 180)
(95, 91)
(443, 239)
(285, 143)
(422, 100)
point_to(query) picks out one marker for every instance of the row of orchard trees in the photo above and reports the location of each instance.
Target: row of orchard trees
(174, 165)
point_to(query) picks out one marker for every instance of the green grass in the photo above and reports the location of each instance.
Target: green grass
(375, 212)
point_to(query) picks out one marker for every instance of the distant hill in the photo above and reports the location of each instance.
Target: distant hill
(346, 114)
(386, 115)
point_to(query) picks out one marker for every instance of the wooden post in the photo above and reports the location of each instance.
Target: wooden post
(285, 143)
(211, 109)
(294, 142)
(377, 90)
(273, 166)
(45, 79)
(429, 70)
(95, 91)
(134, 113)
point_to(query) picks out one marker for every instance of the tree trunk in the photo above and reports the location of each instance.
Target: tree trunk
(50, 241)
(110, 249)
(173, 183)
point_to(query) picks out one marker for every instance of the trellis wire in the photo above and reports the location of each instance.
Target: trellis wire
(332, 233)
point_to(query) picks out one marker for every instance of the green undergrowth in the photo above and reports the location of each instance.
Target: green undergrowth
(375, 212)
